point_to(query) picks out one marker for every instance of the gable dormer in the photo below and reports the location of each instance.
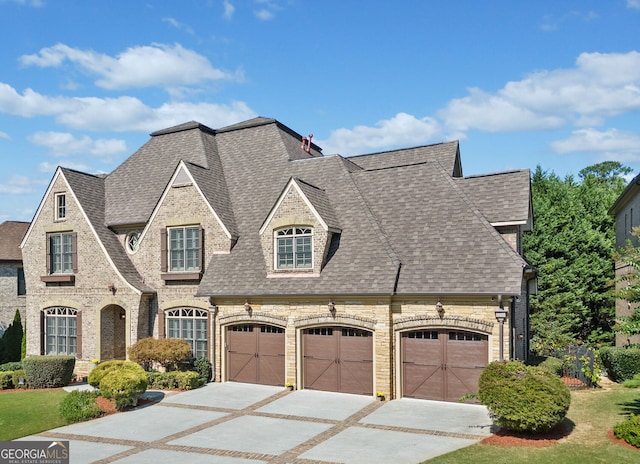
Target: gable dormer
(296, 234)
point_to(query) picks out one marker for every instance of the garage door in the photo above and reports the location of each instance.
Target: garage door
(255, 354)
(442, 364)
(338, 359)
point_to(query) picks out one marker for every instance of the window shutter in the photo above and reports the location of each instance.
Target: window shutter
(79, 335)
(209, 336)
(48, 255)
(42, 334)
(163, 250)
(74, 251)
(201, 254)
(161, 323)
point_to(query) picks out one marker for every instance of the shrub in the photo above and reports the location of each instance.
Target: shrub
(11, 340)
(124, 385)
(621, 363)
(17, 375)
(11, 366)
(553, 365)
(98, 372)
(6, 380)
(168, 352)
(632, 383)
(203, 367)
(181, 380)
(629, 430)
(522, 398)
(48, 371)
(80, 406)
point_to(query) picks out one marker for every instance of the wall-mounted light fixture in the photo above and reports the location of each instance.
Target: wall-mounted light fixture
(112, 288)
(247, 306)
(331, 306)
(440, 308)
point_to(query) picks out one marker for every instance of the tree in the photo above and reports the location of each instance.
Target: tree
(571, 245)
(12, 341)
(630, 290)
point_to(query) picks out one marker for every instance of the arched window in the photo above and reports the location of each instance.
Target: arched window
(190, 324)
(61, 331)
(294, 248)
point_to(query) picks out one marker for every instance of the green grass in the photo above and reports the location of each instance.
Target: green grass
(592, 413)
(29, 412)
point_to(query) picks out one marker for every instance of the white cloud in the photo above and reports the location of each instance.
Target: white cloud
(263, 14)
(601, 85)
(5, 136)
(401, 130)
(633, 4)
(123, 114)
(178, 25)
(47, 167)
(64, 144)
(142, 66)
(18, 185)
(611, 144)
(35, 3)
(229, 9)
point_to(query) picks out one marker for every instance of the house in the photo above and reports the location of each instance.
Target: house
(622, 211)
(384, 272)
(12, 281)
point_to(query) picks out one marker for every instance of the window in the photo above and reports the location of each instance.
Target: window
(184, 249)
(61, 206)
(294, 249)
(22, 285)
(133, 239)
(189, 324)
(61, 253)
(61, 331)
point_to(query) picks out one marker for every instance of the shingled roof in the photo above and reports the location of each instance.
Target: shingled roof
(11, 233)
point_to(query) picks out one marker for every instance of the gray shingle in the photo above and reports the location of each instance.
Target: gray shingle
(11, 234)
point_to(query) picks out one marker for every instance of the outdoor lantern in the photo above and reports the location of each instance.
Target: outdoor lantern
(440, 308)
(332, 306)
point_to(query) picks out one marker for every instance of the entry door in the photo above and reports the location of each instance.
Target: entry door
(256, 354)
(442, 364)
(338, 359)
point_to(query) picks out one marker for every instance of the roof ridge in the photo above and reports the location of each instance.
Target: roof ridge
(405, 149)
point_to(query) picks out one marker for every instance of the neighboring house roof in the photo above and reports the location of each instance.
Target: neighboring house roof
(496, 198)
(630, 191)
(11, 234)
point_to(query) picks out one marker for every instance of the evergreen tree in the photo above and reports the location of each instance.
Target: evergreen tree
(572, 245)
(12, 340)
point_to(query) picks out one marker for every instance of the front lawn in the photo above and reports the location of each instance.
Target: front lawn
(593, 413)
(28, 412)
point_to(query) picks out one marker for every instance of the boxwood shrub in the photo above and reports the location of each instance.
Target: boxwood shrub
(523, 398)
(80, 406)
(629, 430)
(621, 363)
(10, 366)
(169, 353)
(48, 371)
(174, 380)
(6, 380)
(203, 367)
(98, 372)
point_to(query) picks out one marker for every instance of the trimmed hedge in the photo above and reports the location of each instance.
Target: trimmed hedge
(6, 380)
(523, 398)
(80, 406)
(10, 366)
(629, 430)
(123, 381)
(174, 380)
(168, 352)
(16, 379)
(48, 371)
(621, 363)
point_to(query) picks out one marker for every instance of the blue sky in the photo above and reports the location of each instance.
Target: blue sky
(519, 83)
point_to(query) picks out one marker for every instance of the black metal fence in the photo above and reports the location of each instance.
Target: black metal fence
(579, 362)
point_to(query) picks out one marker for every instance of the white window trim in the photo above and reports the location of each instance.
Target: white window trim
(59, 313)
(56, 212)
(180, 315)
(169, 263)
(275, 249)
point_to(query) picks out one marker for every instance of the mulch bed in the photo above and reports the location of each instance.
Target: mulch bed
(620, 441)
(509, 438)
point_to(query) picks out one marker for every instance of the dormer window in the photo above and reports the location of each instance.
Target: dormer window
(294, 247)
(61, 207)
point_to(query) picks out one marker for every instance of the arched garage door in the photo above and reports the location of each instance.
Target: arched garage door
(255, 354)
(441, 364)
(338, 359)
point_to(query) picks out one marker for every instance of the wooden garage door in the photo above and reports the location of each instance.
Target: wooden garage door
(255, 354)
(338, 359)
(442, 364)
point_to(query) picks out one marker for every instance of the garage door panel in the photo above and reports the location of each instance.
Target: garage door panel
(356, 377)
(256, 354)
(320, 374)
(420, 381)
(242, 367)
(461, 382)
(356, 345)
(271, 369)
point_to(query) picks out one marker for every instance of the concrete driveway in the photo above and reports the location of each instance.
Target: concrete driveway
(235, 423)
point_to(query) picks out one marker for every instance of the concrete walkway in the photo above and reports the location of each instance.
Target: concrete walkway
(235, 423)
